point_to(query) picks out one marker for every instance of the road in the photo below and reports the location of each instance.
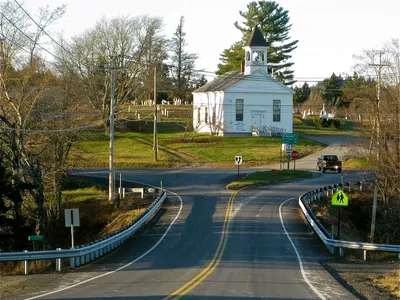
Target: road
(210, 243)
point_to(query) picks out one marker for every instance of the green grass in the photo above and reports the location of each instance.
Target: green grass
(84, 194)
(306, 126)
(355, 163)
(135, 149)
(268, 177)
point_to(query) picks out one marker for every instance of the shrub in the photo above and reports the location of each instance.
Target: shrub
(331, 123)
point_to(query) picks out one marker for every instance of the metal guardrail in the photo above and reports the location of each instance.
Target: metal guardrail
(84, 254)
(304, 202)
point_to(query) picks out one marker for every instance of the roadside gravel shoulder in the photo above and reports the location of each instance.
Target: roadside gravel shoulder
(357, 276)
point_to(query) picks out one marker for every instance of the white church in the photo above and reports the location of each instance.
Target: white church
(250, 102)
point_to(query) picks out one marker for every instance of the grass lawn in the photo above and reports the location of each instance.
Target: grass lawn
(135, 149)
(355, 163)
(306, 126)
(134, 146)
(84, 194)
(268, 177)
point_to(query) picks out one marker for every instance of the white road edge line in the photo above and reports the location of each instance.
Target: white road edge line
(297, 253)
(127, 265)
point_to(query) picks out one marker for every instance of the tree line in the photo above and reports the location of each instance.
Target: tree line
(373, 92)
(46, 105)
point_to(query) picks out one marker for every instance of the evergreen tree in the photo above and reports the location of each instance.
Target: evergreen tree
(302, 93)
(199, 82)
(333, 91)
(183, 64)
(273, 22)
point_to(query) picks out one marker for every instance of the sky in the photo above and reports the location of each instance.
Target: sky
(329, 32)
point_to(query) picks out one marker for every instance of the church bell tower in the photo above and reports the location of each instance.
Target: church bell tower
(255, 53)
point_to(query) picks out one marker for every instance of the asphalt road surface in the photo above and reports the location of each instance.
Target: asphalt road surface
(210, 243)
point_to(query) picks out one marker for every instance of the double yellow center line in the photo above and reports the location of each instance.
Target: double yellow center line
(182, 291)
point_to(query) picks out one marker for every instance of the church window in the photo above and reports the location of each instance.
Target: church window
(239, 109)
(277, 111)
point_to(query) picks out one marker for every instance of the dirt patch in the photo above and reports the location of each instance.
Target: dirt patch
(365, 279)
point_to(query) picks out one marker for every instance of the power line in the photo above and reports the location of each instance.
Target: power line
(27, 51)
(42, 29)
(50, 131)
(28, 37)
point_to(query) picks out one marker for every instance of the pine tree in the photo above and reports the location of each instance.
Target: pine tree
(302, 93)
(333, 92)
(183, 64)
(273, 22)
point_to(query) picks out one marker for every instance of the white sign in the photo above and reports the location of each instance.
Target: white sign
(71, 217)
(238, 160)
(288, 147)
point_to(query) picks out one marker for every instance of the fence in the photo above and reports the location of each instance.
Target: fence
(83, 254)
(306, 199)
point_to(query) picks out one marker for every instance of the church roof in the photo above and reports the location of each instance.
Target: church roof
(256, 38)
(221, 83)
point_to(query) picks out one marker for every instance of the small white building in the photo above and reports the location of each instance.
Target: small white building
(247, 102)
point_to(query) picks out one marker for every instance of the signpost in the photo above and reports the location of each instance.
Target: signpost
(35, 238)
(289, 138)
(71, 220)
(295, 155)
(340, 199)
(238, 162)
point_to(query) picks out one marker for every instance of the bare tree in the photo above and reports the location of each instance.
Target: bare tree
(133, 46)
(382, 101)
(23, 79)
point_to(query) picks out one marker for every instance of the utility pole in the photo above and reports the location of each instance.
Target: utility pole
(378, 95)
(111, 172)
(378, 129)
(155, 115)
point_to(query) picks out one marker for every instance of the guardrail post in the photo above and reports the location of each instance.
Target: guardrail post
(101, 249)
(326, 188)
(97, 252)
(77, 260)
(58, 262)
(87, 256)
(341, 251)
(26, 265)
(331, 249)
(360, 185)
(365, 254)
(92, 253)
(83, 259)
(72, 262)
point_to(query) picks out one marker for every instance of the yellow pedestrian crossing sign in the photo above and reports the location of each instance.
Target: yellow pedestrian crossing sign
(340, 198)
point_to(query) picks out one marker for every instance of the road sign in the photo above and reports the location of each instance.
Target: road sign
(35, 238)
(288, 152)
(295, 154)
(71, 217)
(340, 199)
(238, 160)
(289, 138)
(289, 147)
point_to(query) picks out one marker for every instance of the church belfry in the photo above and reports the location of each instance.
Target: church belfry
(255, 53)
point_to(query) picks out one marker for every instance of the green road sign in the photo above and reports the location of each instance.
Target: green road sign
(289, 138)
(35, 238)
(339, 198)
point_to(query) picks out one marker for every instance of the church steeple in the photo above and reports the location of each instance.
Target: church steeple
(255, 53)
